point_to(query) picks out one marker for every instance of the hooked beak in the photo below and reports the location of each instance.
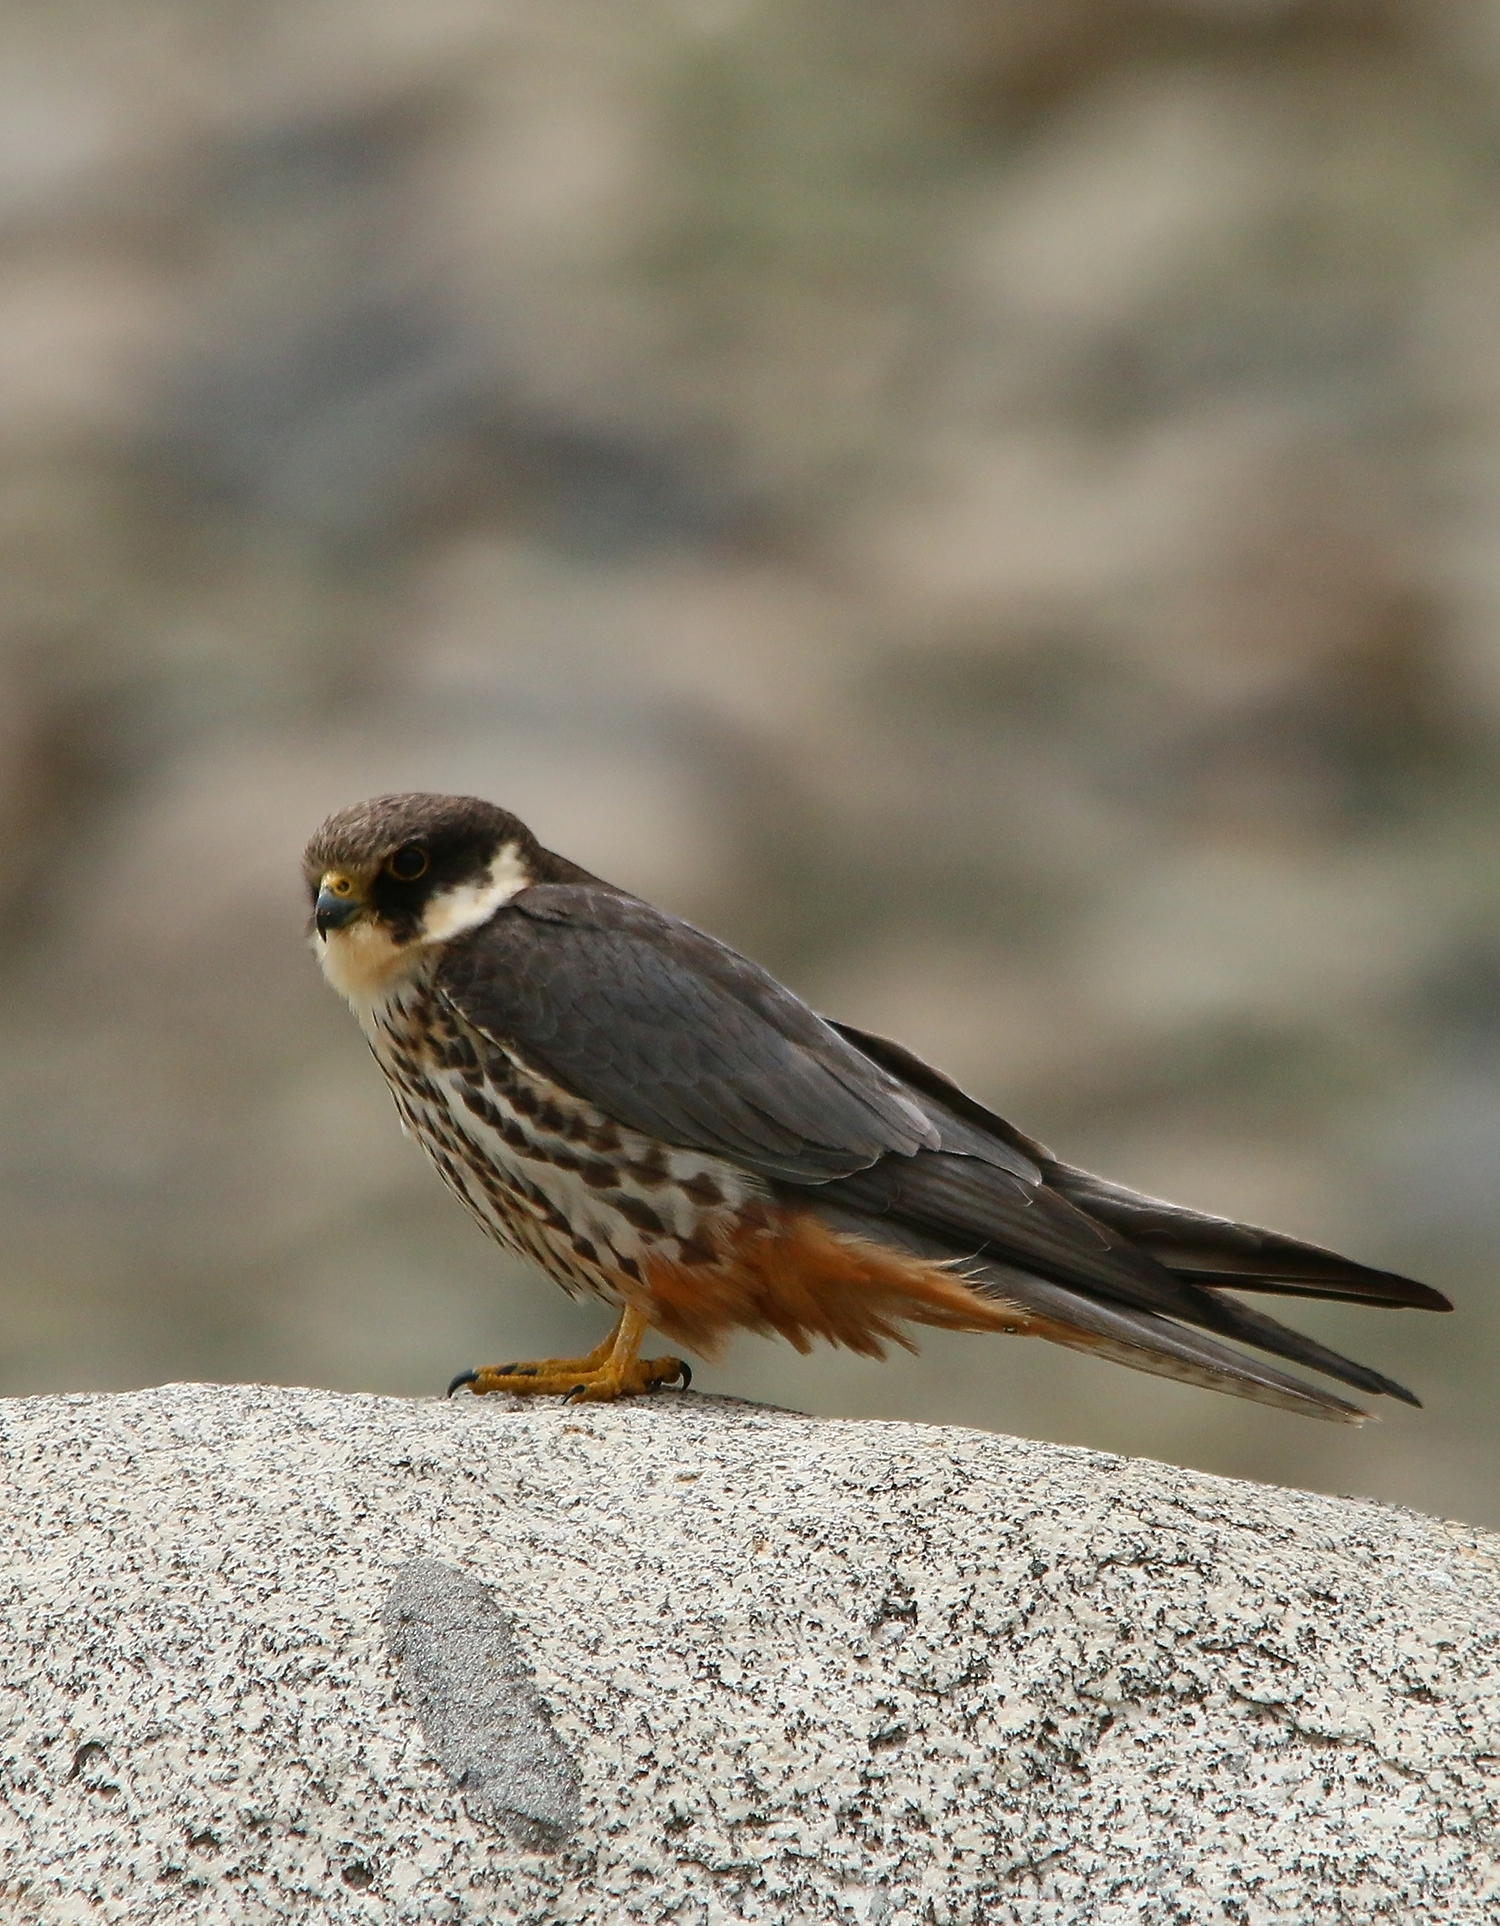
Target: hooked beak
(339, 902)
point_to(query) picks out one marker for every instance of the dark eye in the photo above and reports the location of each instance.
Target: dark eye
(407, 864)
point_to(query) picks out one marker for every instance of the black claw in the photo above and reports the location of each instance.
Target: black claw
(573, 1393)
(464, 1377)
(685, 1372)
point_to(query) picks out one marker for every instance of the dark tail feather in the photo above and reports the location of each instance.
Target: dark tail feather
(1217, 1251)
(1147, 1342)
(1142, 1339)
(1126, 1274)
(1238, 1320)
(972, 1210)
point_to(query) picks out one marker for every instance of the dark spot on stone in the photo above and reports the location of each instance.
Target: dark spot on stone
(479, 1708)
(358, 1876)
(85, 1756)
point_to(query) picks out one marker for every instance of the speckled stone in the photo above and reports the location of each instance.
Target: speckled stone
(805, 1671)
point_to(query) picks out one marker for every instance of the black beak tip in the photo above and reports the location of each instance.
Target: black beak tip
(332, 912)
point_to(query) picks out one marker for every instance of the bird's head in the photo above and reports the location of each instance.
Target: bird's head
(391, 877)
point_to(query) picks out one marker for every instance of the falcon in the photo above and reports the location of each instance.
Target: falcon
(657, 1122)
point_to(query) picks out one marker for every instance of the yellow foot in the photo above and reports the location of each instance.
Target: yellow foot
(612, 1370)
(568, 1378)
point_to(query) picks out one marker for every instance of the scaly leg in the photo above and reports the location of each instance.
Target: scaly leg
(613, 1369)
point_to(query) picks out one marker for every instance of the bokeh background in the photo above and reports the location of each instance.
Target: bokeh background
(993, 506)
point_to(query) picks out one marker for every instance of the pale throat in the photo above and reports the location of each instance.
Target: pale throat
(367, 966)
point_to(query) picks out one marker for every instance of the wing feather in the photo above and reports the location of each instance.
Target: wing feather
(674, 1034)
(1216, 1250)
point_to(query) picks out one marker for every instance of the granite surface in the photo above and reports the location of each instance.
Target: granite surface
(281, 1655)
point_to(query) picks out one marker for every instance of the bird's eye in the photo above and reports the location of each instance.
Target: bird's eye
(407, 864)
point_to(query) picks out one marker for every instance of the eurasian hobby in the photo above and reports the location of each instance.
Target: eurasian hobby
(654, 1120)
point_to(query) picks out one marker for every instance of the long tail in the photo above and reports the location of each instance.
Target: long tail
(1127, 1334)
(1103, 1268)
(1078, 1270)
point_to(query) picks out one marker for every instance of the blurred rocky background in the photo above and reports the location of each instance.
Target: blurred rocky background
(991, 505)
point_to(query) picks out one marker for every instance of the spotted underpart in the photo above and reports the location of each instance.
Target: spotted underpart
(544, 1173)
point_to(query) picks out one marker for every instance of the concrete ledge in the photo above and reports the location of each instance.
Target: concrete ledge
(277, 1655)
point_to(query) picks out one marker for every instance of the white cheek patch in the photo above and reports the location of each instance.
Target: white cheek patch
(468, 905)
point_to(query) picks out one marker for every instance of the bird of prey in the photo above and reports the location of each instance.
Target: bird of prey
(655, 1120)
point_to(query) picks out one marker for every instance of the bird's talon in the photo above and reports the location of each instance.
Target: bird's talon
(611, 1370)
(685, 1373)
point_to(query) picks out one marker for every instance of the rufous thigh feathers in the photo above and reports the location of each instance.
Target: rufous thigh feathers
(783, 1271)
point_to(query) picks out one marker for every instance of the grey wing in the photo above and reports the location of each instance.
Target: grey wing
(674, 1034)
(1216, 1251)
(1192, 1245)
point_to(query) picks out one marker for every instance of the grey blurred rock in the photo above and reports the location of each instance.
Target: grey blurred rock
(806, 1671)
